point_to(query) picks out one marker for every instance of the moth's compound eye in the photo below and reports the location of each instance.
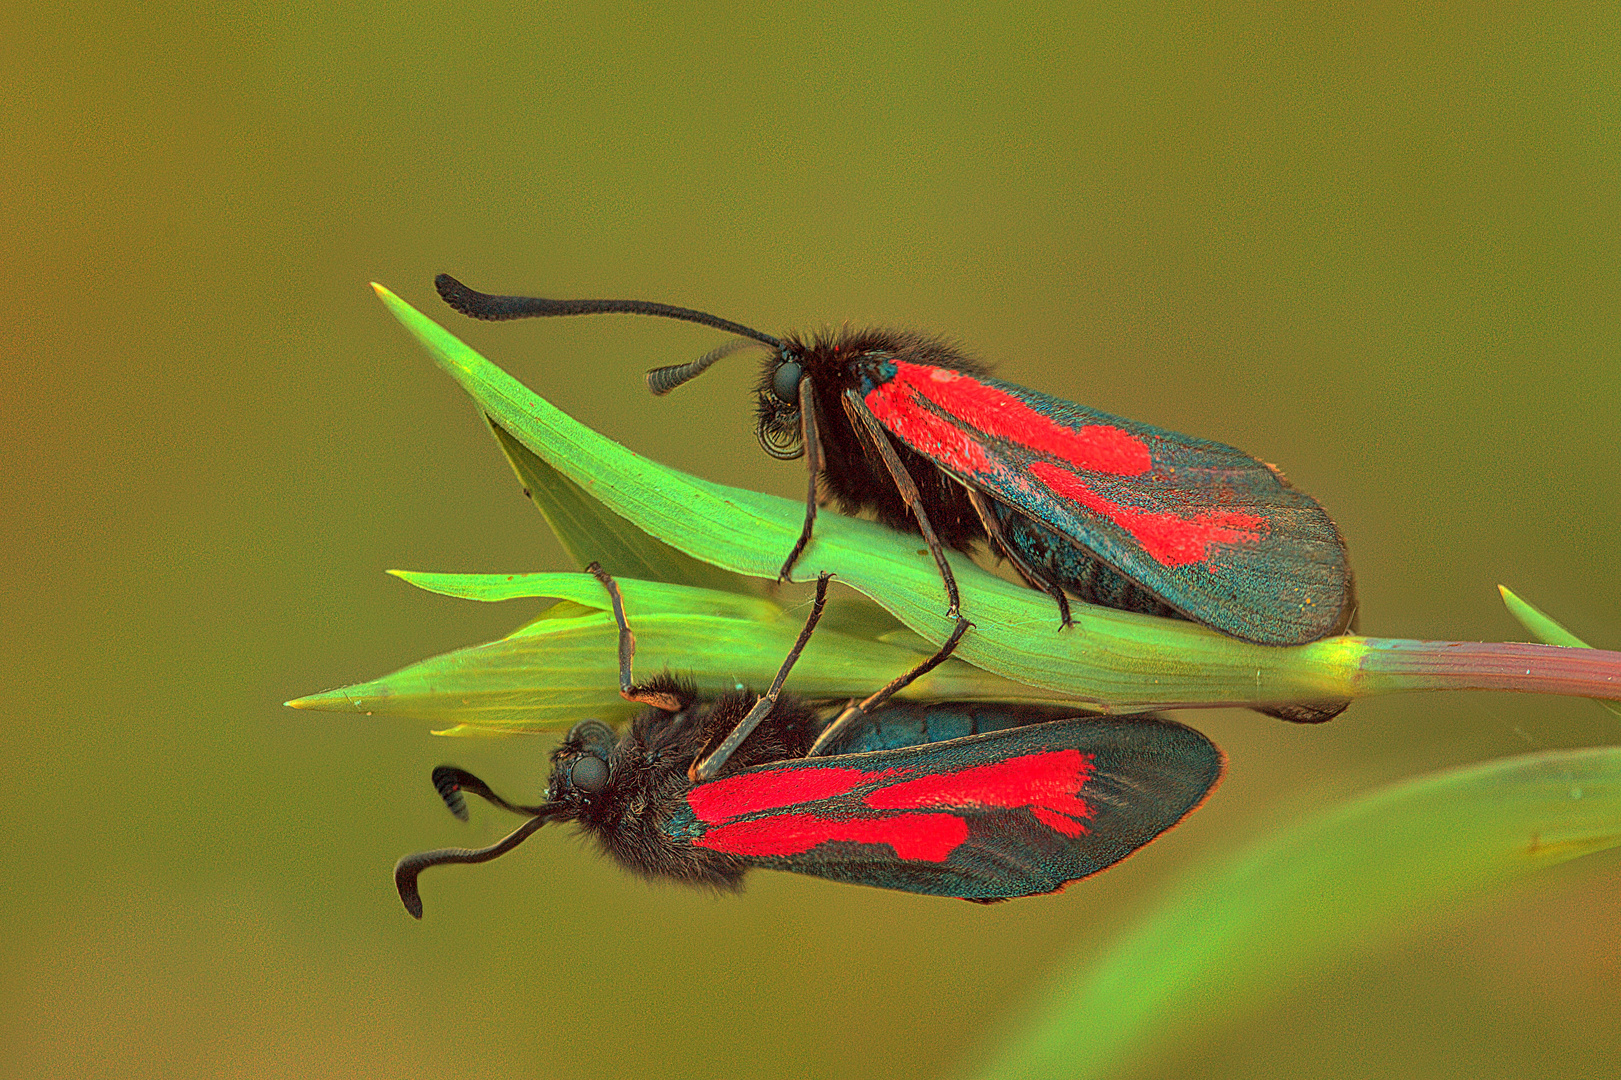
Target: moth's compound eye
(785, 382)
(589, 774)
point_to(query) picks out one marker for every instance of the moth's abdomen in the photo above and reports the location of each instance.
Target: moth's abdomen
(1075, 570)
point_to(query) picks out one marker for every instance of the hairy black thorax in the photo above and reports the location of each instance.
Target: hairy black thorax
(851, 474)
(631, 816)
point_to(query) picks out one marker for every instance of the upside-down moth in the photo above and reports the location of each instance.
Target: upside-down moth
(981, 801)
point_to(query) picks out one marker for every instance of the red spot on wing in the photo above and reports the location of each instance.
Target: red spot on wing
(1049, 783)
(751, 792)
(1170, 539)
(1094, 447)
(930, 434)
(1067, 826)
(916, 837)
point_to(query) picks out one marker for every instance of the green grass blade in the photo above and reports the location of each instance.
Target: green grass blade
(564, 666)
(586, 591)
(590, 532)
(1545, 630)
(1381, 865)
(1538, 624)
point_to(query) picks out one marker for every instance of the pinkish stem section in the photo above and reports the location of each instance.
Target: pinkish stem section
(1393, 664)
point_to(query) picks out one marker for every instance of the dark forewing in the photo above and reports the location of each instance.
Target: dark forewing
(1011, 813)
(1215, 533)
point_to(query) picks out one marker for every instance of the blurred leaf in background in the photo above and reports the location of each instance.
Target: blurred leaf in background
(1353, 879)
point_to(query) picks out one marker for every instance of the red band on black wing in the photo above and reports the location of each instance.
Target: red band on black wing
(1010, 813)
(913, 837)
(1209, 529)
(758, 790)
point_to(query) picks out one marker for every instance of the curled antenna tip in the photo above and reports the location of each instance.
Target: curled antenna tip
(446, 782)
(405, 880)
(407, 869)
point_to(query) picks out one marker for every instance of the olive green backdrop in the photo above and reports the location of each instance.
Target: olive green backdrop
(1381, 248)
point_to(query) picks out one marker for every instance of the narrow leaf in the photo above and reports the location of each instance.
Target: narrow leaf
(590, 532)
(1545, 630)
(1386, 864)
(585, 590)
(563, 667)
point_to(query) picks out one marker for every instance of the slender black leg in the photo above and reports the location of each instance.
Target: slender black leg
(813, 466)
(711, 763)
(993, 529)
(853, 711)
(627, 649)
(879, 440)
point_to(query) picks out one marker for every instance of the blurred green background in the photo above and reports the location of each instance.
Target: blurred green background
(1379, 247)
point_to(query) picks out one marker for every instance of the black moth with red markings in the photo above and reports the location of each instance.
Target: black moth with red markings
(975, 800)
(1110, 510)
